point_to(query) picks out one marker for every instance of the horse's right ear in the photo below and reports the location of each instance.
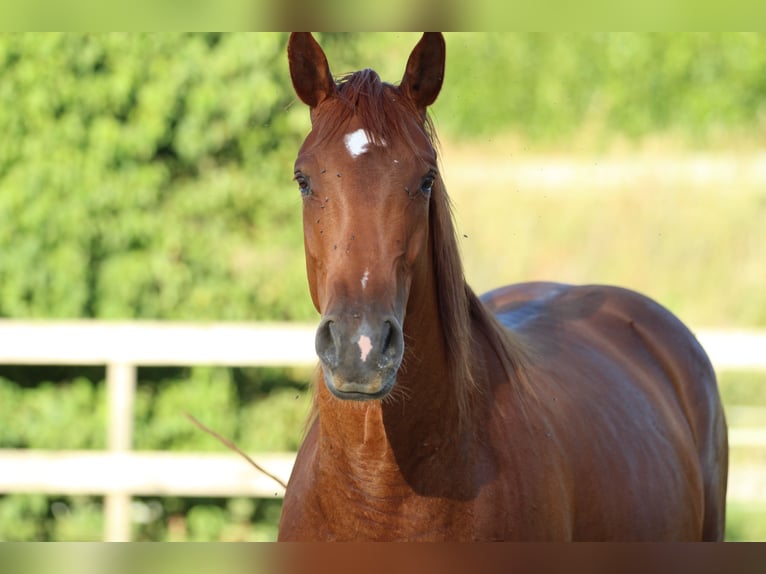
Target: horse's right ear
(309, 70)
(424, 74)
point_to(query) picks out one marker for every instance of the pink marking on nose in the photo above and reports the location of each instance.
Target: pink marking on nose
(365, 346)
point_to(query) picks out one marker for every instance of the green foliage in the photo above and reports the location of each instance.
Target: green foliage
(23, 517)
(208, 395)
(205, 522)
(548, 87)
(260, 409)
(746, 522)
(77, 519)
(148, 176)
(69, 415)
(30, 517)
(275, 424)
(743, 388)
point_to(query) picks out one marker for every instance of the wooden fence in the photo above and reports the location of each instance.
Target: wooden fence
(119, 472)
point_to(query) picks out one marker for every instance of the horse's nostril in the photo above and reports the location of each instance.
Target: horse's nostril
(326, 344)
(391, 340)
(386, 337)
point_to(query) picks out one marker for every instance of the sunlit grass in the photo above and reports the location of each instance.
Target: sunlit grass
(697, 249)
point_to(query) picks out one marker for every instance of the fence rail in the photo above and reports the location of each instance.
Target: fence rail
(119, 472)
(142, 473)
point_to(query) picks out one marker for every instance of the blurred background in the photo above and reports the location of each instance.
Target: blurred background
(149, 177)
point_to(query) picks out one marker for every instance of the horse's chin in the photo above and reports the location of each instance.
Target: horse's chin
(376, 388)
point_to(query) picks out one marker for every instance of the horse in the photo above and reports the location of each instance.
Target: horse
(538, 412)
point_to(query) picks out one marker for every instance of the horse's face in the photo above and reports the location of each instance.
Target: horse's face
(365, 222)
(365, 213)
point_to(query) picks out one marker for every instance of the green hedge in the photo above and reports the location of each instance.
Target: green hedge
(149, 175)
(549, 86)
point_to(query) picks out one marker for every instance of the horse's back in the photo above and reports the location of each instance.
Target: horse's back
(616, 360)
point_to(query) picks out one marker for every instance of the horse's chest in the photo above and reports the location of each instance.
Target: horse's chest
(347, 512)
(411, 519)
(438, 497)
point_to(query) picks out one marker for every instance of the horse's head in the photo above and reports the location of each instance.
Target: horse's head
(366, 172)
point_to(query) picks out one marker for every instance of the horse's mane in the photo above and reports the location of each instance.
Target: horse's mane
(462, 313)
(386, 114)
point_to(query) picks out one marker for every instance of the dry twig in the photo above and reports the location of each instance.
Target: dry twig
(228, 444)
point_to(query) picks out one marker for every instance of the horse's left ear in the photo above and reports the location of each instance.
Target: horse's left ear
(425, 70)
(309, 70)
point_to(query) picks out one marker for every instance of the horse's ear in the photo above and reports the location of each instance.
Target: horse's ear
(425, 70)
(309, 70)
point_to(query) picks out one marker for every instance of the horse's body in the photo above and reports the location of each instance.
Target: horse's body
(543, 412)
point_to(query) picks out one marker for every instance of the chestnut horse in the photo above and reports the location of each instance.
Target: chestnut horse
(541, 411)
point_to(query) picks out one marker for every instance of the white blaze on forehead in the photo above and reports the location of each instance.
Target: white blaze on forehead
(356, 142)
(365, 346)
(365, 277)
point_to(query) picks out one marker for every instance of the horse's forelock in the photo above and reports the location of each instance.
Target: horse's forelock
(383, 111)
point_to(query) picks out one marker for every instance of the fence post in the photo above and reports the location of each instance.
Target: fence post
(121, 389)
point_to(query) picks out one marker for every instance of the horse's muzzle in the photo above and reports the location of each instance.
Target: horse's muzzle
(360, 356)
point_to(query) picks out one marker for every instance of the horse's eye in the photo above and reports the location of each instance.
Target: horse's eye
(427, 185)
(303, 184)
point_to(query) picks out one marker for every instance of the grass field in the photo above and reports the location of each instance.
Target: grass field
(696, 247)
